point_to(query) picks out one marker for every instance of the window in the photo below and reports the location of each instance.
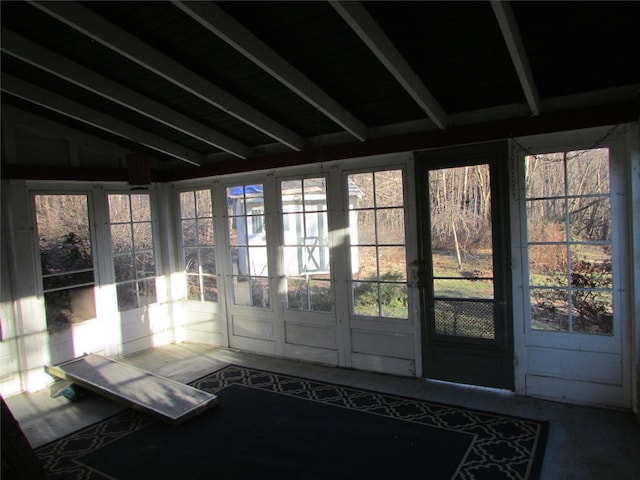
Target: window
(134, 260)
(306, 244)
(570, 241)
(66, 258)
(248, 243)
(462, 252)
(198, 248)
(377, 238)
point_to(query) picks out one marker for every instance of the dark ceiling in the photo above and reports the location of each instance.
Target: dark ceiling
(234, 84)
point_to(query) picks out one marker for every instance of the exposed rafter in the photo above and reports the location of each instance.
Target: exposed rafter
(52, 101)
(66, 69)
(228, 29)
(85, 21)
(511, 34)
(374, 37)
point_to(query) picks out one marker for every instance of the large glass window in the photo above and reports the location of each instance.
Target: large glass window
(570, 241)
(378, 250)
(66, 258)
(198, 248)
(306, 244)
(134, 259)
(248, 245)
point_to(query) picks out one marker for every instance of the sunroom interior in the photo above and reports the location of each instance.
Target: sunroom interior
(445, 191)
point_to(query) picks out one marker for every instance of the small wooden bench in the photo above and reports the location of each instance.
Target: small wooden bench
(161, 397)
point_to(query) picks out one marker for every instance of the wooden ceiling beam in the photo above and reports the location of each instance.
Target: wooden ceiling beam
(513, 39)
(49, 61)
(111, 36)
(364, 25)
(214, 19)
(52, 101)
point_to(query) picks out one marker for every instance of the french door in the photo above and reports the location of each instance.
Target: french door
(464, 275)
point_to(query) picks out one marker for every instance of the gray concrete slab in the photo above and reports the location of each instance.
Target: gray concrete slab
(584, 443)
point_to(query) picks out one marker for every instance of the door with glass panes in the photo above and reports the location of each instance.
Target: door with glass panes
(464, 274)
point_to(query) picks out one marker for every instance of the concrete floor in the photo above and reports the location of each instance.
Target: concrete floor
(584, 443)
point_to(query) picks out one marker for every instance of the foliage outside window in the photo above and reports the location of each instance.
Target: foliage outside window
(306, 244)
(378, 250)
(66, 259)
(248, 245)
(198, 248)
(132, 248)
(569, 241)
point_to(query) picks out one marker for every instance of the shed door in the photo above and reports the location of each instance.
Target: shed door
(464, 277)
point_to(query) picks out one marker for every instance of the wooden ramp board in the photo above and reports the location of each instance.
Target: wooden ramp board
(161, 397)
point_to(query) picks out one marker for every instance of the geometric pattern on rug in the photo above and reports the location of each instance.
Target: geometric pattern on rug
(503, 447)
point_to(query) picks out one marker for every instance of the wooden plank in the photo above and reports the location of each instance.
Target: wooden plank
(161, 397)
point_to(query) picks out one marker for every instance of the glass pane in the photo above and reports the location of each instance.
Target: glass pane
(127, 296)
(203, 203)
(364, 263)
(210, 286)
(140, 208)
(549, 309)
(191, 260)
(590, 219)
(123, 266)
(187, 205)
(121, 238)
(366, 228)
(67, 280)
(315, 226)
(260, 292)
(235, 200)
(189, 238)
(592, 311)
(193, 287)
(241, 291)
(147, 292)
(205, 232)
(588, 172)
(314, 189)
(142, 236)
(545, 175)
(591, 266)
(63, 232)
(365, 299)
(320, 295)
(233, 232)
(464, 319)
(363, 184)
(546, 221)
(463, 288)
(119, 208)
(290, 191)
(258, 261)
(548, 265)
(208, 258)
(389, 188)
(145, 265)
(391, 226)
(393, 264)
(293, 228)
(65, 307)
(394, 300)
(297, 294)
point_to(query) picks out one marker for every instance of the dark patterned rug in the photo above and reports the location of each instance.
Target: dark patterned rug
(269, 425)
